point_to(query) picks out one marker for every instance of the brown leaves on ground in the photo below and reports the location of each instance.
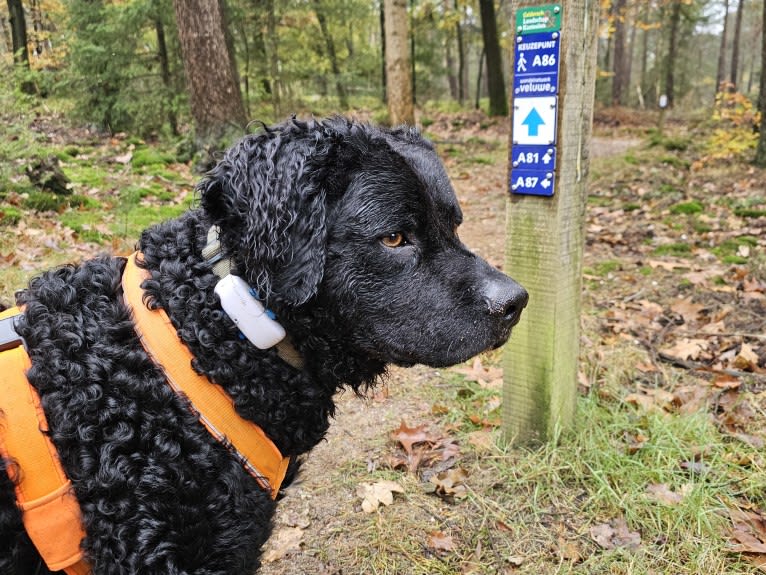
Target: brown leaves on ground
(748, 535)
(374, 495)
(419, 448)
(615, 534)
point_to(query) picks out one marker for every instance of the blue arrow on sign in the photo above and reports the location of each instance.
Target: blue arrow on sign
(533, 121)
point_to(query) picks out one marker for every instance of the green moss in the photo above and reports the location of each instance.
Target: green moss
(149, 157)
(86, 175)
(677, 249)
(9, 216)
(749, 213)
(607, 267)
(631, 207)
(44, 202)
(693, 207)
(734, 259)
(676, 162)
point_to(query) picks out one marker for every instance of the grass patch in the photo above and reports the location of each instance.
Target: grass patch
(674, 249)
(87, 174)
(593, 474)
(750, 212)
(9, 216)
(692, 207)
(150, 156)
(727, 251)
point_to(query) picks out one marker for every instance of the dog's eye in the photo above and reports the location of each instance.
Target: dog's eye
(395, 240)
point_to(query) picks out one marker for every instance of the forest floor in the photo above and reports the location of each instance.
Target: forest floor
(664, 471)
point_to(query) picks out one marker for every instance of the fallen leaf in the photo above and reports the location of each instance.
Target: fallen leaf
(450, 483)
(480, 374)
(662, 493)
(568, 550)
(374, 495)
(746, 359)
(686, 348)
(725, 381)
(748, 530)
(615, 534)
(285, 541)
(441, 542)
(409, 436)
(686, 309)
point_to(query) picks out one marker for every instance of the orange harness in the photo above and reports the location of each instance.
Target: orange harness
(50, 512)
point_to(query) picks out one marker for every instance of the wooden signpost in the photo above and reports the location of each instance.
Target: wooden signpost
(551, 103)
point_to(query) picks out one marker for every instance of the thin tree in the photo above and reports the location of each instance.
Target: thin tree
(332, 55)
(498, 104)
(760, 151)
(670, 62)
(18, 32)
(401, 109)
(461, 73)
(619, 62)
(734, 72)
(214, 95)
(721, 73)
(273, 50)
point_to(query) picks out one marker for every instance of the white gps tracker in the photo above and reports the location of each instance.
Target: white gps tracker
(249, 315)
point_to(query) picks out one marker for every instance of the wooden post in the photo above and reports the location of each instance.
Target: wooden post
(544, 243)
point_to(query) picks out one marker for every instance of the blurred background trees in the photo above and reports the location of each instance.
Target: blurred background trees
(125, 65)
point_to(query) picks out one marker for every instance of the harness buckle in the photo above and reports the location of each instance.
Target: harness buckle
(9, 339)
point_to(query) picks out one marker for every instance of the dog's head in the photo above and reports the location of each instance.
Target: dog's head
(360, 223)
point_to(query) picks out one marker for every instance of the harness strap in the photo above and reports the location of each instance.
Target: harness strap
(50, 511)
(213, 405)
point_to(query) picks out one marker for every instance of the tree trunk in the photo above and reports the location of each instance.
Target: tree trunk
(7, 42)
(216, 102)
(735, 47)
(330, 46)
(760, 151)
(273, 44)
(413, 75)
(675, 21)
(383, 76)
(498, 104)
(631, 52)
(449, 63)
(619, 62)
(482, 59)
(37, 26)
(643, 87)
(401, 109)
(18, 32)
(260, 52)
(721, 73)
(461, 72)
(162, 55)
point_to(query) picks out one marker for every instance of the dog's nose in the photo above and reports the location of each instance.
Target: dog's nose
(505, 299)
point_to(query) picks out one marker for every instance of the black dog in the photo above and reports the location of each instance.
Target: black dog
(348, 233)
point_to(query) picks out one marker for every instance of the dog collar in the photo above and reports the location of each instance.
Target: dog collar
(222, 266)
(211, 403)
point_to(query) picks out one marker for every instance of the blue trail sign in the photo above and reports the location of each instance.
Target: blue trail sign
(535, 102)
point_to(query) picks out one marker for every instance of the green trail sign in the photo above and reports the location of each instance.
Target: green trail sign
(534, 19)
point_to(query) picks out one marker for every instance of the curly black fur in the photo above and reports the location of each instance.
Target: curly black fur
(302, 207)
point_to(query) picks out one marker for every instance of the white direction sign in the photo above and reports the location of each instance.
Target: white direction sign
(534, 121)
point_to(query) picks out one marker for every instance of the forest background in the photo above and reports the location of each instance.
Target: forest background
(107, 117)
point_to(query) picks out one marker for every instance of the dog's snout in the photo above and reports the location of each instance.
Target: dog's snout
(505, 299)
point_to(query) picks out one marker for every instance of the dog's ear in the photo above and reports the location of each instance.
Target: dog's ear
(266, 195)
